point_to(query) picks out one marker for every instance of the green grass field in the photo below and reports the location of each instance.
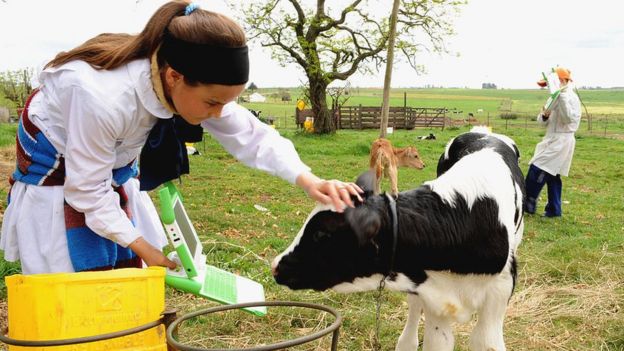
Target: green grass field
(570, 292)
(604, 108)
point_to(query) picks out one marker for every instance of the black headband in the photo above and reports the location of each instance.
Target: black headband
(205, 63)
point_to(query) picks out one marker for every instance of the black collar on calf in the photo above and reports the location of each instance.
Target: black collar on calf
(395, 234)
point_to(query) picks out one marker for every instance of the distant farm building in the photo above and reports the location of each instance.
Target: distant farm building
(257, 97)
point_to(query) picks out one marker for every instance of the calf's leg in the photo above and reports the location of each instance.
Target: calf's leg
(408, 341)
(378, 184)
(438, 333)
(487, 334)
(393, 174)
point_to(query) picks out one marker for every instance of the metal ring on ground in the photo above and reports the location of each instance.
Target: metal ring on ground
(73, 341)
(334, 327)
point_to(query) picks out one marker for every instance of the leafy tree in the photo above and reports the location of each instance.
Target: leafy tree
(333, 42)
(16, 85)
(252, 87)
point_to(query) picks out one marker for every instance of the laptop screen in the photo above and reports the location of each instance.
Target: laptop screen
(186, 227)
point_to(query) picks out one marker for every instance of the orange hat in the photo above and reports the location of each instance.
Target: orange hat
(563, 73)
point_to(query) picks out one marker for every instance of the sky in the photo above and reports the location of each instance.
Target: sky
(505, 42)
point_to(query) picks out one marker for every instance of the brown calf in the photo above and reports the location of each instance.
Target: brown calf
(384, 160)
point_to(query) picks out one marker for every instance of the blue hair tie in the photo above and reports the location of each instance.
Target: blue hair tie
(190, 8)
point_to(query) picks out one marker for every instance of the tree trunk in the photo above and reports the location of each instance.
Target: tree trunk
(323, 121)
(385, 107)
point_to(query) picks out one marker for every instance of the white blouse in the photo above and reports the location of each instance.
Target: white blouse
(100, 119)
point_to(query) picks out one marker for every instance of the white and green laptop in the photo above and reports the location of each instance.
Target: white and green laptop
(193, 274)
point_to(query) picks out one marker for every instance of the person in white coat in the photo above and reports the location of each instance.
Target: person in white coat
(553, 155)
(76, 202)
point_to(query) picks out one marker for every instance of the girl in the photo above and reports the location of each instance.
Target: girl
(75, 203)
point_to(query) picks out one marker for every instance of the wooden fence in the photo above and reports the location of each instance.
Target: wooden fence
(360, 117)
(300, 116)
(369, 117)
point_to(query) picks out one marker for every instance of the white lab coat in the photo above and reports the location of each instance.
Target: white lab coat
(554, 153)
(99, 120)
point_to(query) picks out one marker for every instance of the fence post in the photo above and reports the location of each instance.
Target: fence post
(405, 116)
(360, 116)
(350, 118)
(296, 118)
(394, 124)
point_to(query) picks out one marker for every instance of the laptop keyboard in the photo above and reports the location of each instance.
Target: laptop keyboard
(219, 285)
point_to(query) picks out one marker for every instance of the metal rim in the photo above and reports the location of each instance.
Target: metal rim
(81, 340)
(280, 345)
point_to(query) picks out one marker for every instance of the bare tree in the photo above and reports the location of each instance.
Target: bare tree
(333, 42)
(339, 95)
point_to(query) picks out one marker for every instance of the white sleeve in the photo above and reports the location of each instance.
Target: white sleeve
(541, 120)
(569, 107)
(92, 131)
(254, 143)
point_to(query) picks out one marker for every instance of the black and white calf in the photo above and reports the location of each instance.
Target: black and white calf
(455, 246)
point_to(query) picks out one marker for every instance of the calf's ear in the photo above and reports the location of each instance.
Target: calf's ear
(364, 221)
(366, 181)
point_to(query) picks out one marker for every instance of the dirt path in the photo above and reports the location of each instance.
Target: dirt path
(3, 317)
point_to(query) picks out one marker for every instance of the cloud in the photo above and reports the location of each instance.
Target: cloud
(610, 39)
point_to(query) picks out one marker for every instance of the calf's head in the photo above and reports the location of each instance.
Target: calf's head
(409, 157)
(332, 248)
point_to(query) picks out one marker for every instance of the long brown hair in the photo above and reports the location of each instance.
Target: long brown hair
(111, 50)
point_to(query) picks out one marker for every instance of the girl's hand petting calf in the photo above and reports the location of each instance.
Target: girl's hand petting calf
(329, 191)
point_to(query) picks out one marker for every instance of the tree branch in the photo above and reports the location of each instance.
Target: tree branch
(320, 8)
(356, 62)
(299, 10)
(295, 55)
(343, 16)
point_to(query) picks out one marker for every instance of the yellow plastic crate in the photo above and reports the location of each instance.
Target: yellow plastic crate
(71, 305)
